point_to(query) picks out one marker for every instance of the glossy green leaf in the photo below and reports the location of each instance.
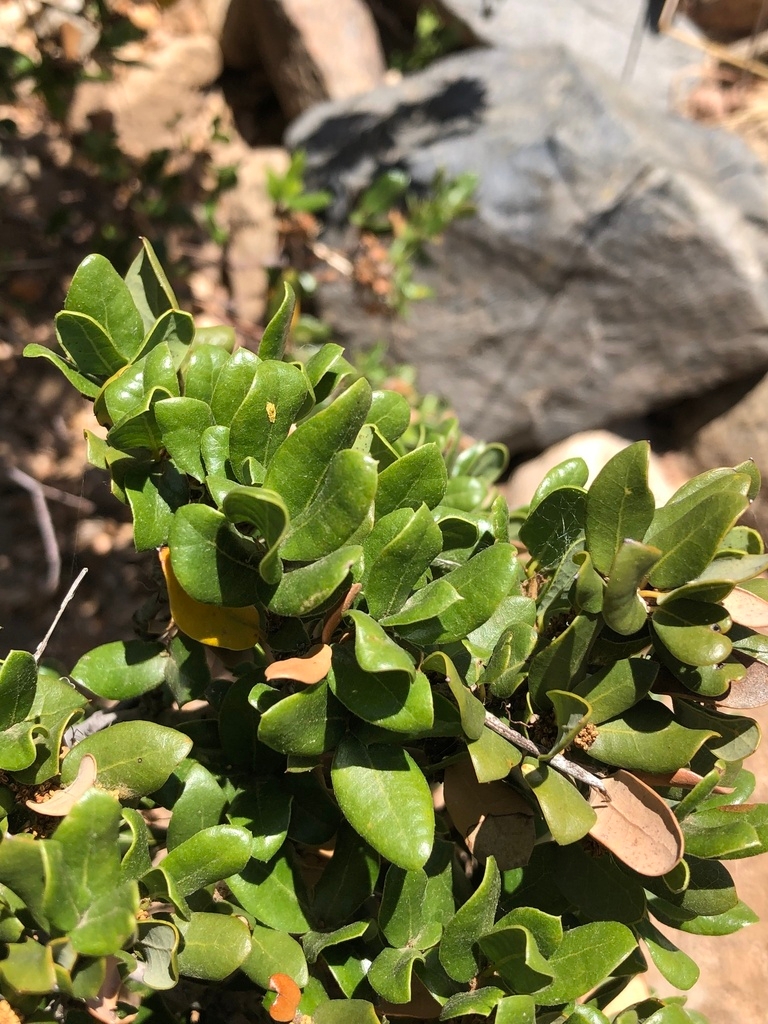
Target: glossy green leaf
(585, 956)
(373, 786)
(83, 384)
(350, 1011)
(624, 610)
(568, 815)
(589, 588)
(391, 413)
(470, 708)
(738, 737)
(690, 530)
(459, 953)
(214, 946)
(136, 862)
(572, 713)
(208, 856)
(122, 669)
(148, 285)
(396, 554)
(173, 330)
(263, 810)
(303, 590)
(186, 669)
(306, 723)
(133, 758)
(404, 915)
(266, 511)
(347, 881)
(212, 562)
(182, 422)
(562, 661)
(600, 888)
(298, 468)
(201, 371)
(391, 971)
(274, 893)
(158, 943)
(214, 448)
(18, 681)
(503, 673)
(233, 384)
(692, 631)
(482, 584)
(522, 1010)
(418, 478)
(492, 756)
(139, 430)
(272, 344)
(620, 505)
(616, 688)
(516, 958)
(481, 642)
(315, 942)
(647, 738)
(673, 964)
(338, 511)
(154, 493)
(274, 952)
(719, 578)
(572, 472)
(199, 807)
(56, 704)
(28, 968)
(481, 1001)
(729, 832)
(88, 345)
(99, 291)
(267, 412)
(554, 524)
(426, 604)
(741, 916)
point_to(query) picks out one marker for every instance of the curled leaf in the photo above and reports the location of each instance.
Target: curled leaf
(335, 617)
(312, 668)
(747, 609)
(62, 801)
(235, 629)
(683, 777)
(288, 996)
(636, 825)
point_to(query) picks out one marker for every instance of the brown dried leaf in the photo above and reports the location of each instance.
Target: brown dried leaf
(747, 609)
(637, 826)
(682, 777)
(310, 669)
(334, 617)
(751, 691)
(62, 801)
(491, 816)
(286, 1005)
(104, 1006)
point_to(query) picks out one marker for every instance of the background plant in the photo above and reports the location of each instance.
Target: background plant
(346, 616)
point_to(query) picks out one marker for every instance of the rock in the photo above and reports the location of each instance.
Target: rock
(615, 263)
(665, 472)
(311, 52)
(608, 33)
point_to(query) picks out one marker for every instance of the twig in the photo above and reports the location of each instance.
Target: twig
(44, 524)
(560, 763)
(62, 607)
(338, 261)
(84, 505)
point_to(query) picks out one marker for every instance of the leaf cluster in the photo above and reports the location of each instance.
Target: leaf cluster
(417, 752)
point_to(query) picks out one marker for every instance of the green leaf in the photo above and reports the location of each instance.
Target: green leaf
(233, 384)
(133, 758)
(123, 669)
(738, 737)
(214, 946)
(149, 286)
(503, 673)
(554, 524)
(326, 369)
(135, 862)
(88, 345)
(481, 1001)
(562, 661)
(347, 881)
(266, 414)
(139, 428)
(673, 964)
(689, 530)
(719, 578)
(172, 330)
(598, 886)
(264, 810)
(373, 786)
(620, 505)
(28, 968)
(265, 510)
(315, 942)
(396, 554)
(201, 371)
(470, 708)
(158, 943)
(493, 757)
(585, 957)
(418, 478)
(458, 949)
(181, 422)
(729, 832)
(390, 973)
(692, 631)
(647, 738)
(522, 1010)
(616, 688)
(199, 807)
(208, 856)
(568, 815)
(589, 588)
(571, 715)
(274, 952)
(298, 468)
(572, 472)
(624, 610)
(154, 493)
(515, 956)
(85, 386)
(404, 916)
(56, 704)
(349, 1011)
(303, 590)
(214, 448)
(98, 291)
(274, 893)
(211, 560)
(18, 681)
(722, 924)
(482, 584)
(305, 724)
(390, 412)
(338, 511)
(272, 344)
(186, 670)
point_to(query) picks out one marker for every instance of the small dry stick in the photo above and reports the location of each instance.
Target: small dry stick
(62, 607)
(44, 524)
(560, 763)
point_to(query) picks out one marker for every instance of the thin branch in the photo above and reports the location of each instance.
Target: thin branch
(44, 525)
(62, 607)
(560, 763)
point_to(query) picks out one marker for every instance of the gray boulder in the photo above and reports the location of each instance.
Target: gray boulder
(615, 263)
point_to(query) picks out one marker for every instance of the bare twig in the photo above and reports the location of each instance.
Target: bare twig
(62, 607)
(337, 260)
(44, 524)
(560, 763)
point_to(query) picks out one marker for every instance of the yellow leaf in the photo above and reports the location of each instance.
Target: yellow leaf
(236, 629)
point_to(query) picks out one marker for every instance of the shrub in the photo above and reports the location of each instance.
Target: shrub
(355, 618)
